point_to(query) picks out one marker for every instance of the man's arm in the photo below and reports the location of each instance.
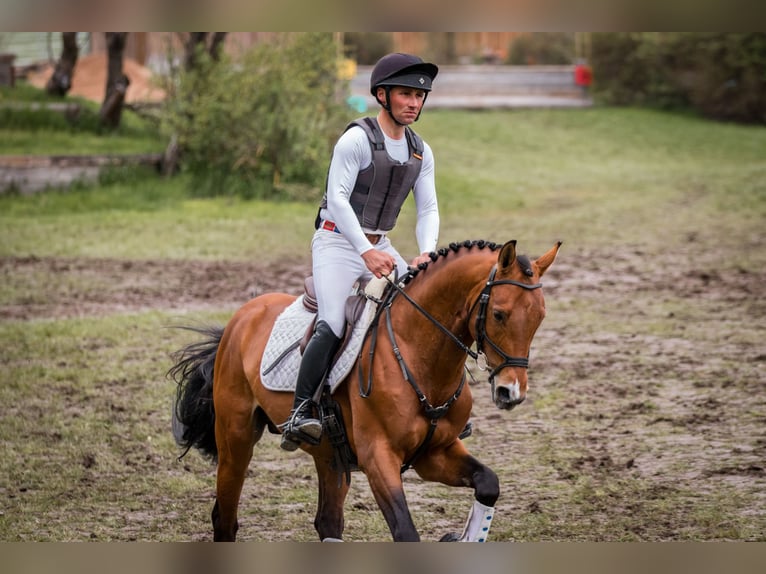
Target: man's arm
(427, 227)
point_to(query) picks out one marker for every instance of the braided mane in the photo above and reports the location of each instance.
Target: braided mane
(452, 248)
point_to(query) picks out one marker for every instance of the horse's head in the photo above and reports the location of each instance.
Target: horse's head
(509, 311)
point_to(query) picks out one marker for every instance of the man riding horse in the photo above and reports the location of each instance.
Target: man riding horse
(375, 164)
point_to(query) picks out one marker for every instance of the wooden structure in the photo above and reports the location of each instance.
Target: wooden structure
(156, 49)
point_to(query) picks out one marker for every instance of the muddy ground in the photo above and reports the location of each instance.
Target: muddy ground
(646, 416)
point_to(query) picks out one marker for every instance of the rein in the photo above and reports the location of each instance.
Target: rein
(431, 412)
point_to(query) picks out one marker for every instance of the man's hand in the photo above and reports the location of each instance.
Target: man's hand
(378, 263)
(424, 257)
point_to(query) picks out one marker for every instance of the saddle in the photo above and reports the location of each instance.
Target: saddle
(354, 306)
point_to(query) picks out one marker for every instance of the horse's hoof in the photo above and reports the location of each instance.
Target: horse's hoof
(450, 537)
(330, 539)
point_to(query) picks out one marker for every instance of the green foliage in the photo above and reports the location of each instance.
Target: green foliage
(261, 127)
(718, 74)
(542, 48)
(725, 74)
(621, 75)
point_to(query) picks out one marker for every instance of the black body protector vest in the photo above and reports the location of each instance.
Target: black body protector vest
(382, 187)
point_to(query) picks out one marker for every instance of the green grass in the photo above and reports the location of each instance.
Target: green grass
(40, 131)
(109, 400)
(152, 218)
(591, 172)
(537, 176)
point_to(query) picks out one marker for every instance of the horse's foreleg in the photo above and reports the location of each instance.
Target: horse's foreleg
(383, 473)
(329, 520)
(455, 467)
(234, 437)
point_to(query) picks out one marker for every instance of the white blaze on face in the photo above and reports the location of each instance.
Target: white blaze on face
(514, 390)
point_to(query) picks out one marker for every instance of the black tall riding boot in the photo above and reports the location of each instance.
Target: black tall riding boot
(301, 424)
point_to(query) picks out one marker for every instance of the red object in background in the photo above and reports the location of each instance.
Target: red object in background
(583, 75)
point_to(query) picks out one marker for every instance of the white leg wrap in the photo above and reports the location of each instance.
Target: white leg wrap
(478, 523)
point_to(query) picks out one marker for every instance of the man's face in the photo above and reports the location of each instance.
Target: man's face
(406, 102)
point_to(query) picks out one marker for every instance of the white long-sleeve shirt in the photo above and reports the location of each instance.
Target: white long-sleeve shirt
(351, 155)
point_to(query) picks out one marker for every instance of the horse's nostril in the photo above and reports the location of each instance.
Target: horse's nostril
(505, 395)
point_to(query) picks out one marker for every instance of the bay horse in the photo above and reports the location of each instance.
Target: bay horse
(471, 292)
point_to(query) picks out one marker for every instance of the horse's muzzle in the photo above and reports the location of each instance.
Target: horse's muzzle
(507, 405)
(508, 396)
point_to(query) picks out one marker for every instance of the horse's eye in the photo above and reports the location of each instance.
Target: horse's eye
(499, 316)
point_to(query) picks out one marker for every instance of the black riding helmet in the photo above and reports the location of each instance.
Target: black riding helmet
(401, 70)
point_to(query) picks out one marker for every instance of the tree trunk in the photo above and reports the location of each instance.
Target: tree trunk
(116, 82)
(197, 39)
(61, 80)
(215, 45)
(194, 40)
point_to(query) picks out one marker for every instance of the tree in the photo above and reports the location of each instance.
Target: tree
(199, 41)
(61, 81)
(195, 45)
(116, 82)
(262, 126)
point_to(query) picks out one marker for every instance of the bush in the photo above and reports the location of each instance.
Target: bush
(262, 127)
(626, 70)
(718, 74)
(724, 75)
(542, 48)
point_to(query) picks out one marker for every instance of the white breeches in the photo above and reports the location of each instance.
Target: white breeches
(336, 267)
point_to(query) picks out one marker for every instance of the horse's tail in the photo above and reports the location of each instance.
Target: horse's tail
(193, 413)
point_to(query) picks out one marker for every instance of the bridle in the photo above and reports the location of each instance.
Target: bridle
(481, 329)
(480, 325)
(482, 302)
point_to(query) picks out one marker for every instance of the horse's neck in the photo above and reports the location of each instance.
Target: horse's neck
(448, 289)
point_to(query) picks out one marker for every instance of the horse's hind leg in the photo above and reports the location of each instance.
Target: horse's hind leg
(236, 434)
(329, 520)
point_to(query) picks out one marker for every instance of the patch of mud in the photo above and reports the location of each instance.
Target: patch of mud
(60, 287)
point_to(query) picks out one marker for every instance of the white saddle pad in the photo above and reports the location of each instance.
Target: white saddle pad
(282, 356)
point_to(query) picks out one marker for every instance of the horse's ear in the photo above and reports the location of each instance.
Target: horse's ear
(507, 255)
(544, 261)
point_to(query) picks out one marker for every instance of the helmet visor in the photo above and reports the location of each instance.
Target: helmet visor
(416, 80)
